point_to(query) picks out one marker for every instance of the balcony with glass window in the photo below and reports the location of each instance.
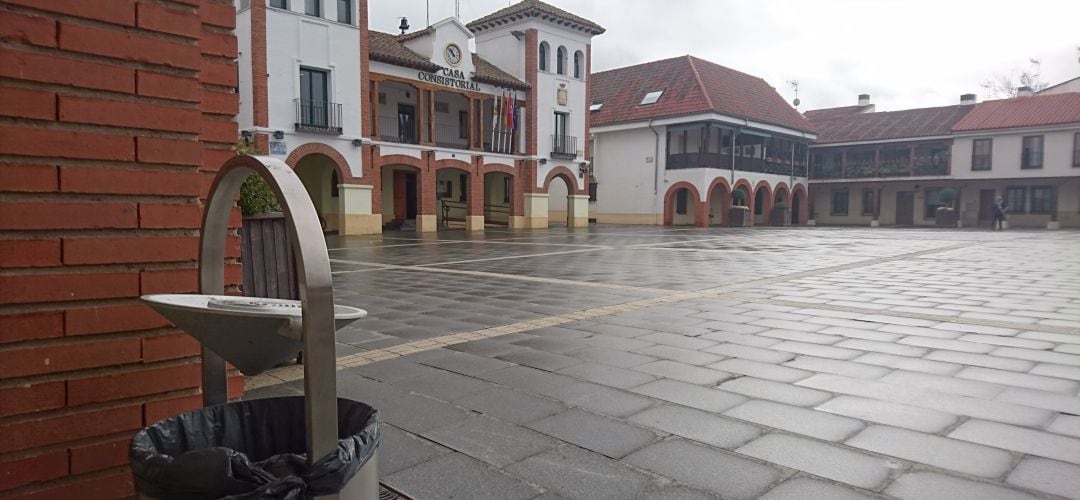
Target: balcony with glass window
(887, 161)
(563, 146)
(318, 117)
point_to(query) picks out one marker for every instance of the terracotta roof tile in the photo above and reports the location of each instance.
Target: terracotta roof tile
(690, 86)
(884, 125)
(535, 8)
(816, 115)
(1047, 109)
(390, 49)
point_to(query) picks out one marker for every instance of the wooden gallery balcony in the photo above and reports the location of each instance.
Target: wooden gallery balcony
(892, 160)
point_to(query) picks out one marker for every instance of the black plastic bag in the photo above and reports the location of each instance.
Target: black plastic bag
(249, 450)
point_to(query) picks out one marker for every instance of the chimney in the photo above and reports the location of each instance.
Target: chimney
(864, 99)
(1023, 91)
(968, 99)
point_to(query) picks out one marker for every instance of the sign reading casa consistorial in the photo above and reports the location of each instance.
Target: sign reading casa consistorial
(449, 77)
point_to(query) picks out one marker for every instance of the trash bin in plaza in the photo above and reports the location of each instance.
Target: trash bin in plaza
(297, 447)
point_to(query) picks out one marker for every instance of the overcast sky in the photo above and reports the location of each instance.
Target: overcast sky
(904, 53)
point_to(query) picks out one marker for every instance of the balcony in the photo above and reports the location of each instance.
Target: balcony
(564, 146)
(398, 129)
(904, 160)
(319, 117)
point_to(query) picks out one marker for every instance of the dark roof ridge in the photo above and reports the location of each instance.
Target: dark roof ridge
(701, 84)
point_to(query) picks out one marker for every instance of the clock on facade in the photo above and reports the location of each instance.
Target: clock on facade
(453, 54)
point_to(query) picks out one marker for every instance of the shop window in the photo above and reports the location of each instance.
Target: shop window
(1016, 199)
(1042, 199)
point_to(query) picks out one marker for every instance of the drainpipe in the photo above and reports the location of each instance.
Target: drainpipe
(656, 165)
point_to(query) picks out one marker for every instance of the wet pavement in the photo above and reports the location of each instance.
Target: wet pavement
(642, 362)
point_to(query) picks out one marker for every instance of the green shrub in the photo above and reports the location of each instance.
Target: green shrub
(947, 196)
(781, 205)
(255, 196)
(738, 197)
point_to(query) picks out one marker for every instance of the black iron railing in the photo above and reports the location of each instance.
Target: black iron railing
(320, 117)
(564, 146)
(394, 129)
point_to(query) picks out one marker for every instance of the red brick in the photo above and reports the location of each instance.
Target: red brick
(75, 109)
(218, 72)
(29, 253)
(45, 215)
(110, 11)
(133, 384)
(134, 249)
(28, 141)
(23, 471)
(218, 14)
(177, 88)
(170, 216)
(236, 386)
(158, 410)
(27, 103)
(113, 318)
(99, 456)
(48, 68)
(30, 326)
(130, 181)
(166, 20)
(224, 103)
(222, 131)
(169, 281)
(29, 178)
(171, 346)
(31, 397)
(22, 289)
(213, 159)
(37, 360)
(171, 151)
(30, 30)
(128, 46)
(218, 44)
(109, 487)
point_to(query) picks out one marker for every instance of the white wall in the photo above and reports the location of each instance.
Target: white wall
(245, 118)
(1007, 147)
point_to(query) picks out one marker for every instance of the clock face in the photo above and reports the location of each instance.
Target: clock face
(453, 54)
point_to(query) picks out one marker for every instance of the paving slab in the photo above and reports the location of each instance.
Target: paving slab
(821, 425)
(680, 371)
(894, 414)
(933, 450)
(1049, 476)
(511, 405)
(601, 399)
(822, 459)
(604, 435)
(775, 391)
(491, 441)
(572, 472)
(935, 486)
(608, 375)
(456, 476)
(803, 488)
(697, 425)
(1021, 439)
(697, 466)
(758, 369)
(399, 450)
(694, 396)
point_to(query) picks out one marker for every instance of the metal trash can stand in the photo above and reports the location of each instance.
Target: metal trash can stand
(296, 447)
(250, 449)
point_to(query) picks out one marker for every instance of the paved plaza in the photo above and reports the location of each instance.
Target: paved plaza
(663, 363)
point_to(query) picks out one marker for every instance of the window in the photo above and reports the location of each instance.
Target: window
(464, 179)
(592, 190)
(681, 201)
(596, 105)
(839, 202)
(560, 123)
(981, 153)
(1015, 198)
(280, 4)
(868, 202)
(1032, 156)
(560, 60)
(1076, 149)
(334, 184)
(544, 49)
(651, 97)
(344, 11)
(1042, 199)
(506, 189)
(932, 203)
(313, 7)
(313, 97)
(579, 64)
(463, 124)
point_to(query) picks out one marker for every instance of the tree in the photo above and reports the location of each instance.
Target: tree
(1005, 86)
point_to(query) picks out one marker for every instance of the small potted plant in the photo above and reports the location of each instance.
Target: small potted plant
(946, 216)
(739, 213)
(781, 214)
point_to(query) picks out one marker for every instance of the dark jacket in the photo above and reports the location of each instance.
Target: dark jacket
(999, 209)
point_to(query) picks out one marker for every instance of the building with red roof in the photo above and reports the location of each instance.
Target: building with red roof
(672, 140)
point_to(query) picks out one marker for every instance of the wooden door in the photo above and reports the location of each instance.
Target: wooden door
(905, 208)
(986, 205)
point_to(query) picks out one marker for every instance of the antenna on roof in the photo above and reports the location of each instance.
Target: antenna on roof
(427, 3)
(457, 9)
(795, 85)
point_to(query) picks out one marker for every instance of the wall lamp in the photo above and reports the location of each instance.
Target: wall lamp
(278, 134)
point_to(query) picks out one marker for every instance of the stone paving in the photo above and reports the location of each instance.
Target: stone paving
(643, 362)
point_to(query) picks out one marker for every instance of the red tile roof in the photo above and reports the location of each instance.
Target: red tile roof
(390, 49)
(1047, 109)
(904, 124)
(690, 86)
(816, 115)
(534, 9)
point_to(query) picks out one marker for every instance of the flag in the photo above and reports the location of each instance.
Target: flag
(509, 110)
(514, 114)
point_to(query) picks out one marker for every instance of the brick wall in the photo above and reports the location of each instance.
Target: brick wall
(114, 115)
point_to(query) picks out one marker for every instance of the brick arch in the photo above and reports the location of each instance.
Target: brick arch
(568, 177)
(304, 150)
(721, 218)
(497, 167)
(781, 187)
(697, 205)
(745, 185)
(453, 163)
(406, 160)
(803, 205)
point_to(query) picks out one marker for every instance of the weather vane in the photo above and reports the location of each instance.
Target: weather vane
(795, 85)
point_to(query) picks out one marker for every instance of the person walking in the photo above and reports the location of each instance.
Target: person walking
(999, 214)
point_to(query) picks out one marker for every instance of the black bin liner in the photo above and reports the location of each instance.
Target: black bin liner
(249, 450)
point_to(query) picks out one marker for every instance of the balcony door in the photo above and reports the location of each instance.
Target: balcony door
(314, 104)
(561, 142)
(406, 114)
